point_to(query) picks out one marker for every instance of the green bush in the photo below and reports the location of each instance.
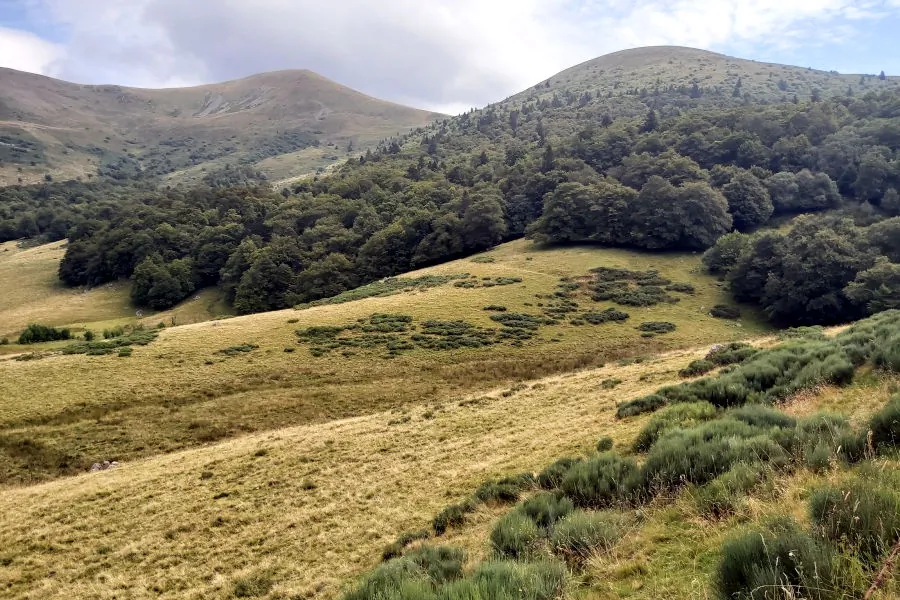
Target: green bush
(551, 477)
(396, 579)
(253, 586)
(4, 342)
(885, 425)
(861, 516)
(604, 444)
(515, 536)
(451, 516)
(395, 548)
(697, 368)
(504, 491)
(88, 335)
(439, 563)
(723, 311)
(610, 315)
(35, 334)
(724, 494)
(702, 453)
(495, 308)
(603, 480)
(657, 327)
(758, 415)
(784, 563)
(508, 580)
(640, 406)
(673, 417)
(545, 508)
(584, 533)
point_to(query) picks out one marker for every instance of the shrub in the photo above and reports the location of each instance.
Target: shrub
(495, 308)
(673, 417)
(388, 579)
(885, 425)
(697, 368)
(451, 516)
(610, 315)
(818, 459)
(88, 335)
(723, 311)
(395, 548)
(439, 563)
(582, 533)
(862, 516)
(601, 481)
(608, 384)
(508, 580)
(604, 444)
(701, 454)
(758, 415)
(551, 477)
(515, 536)
(640, 406)
(723, 495)
(115, 332)
(657, 327)
(546, 508)
(35, 334)
(785, 563)
(504, 491)
(682, 288)
(4, 342)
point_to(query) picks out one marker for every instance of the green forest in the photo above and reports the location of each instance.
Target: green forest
(685, 175)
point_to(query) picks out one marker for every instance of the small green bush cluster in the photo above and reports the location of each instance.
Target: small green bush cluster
(677, 416)
(604, 444)
(582, 534)
(239, 349)
(854, 525)
(610, 315)
(724, 495)
(601, 481)
(723, 311)
(719, 356)
(483, 259)
(640, 405)
(652, 328)
(495, 308)
(395, 548)
(436, 574)
(634, 288)
(487, 282)
(119, 345)
(780, 562)
(35, 334)
(113, 332)
(503, 491)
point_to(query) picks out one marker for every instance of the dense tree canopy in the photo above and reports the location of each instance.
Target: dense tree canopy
(661, 172)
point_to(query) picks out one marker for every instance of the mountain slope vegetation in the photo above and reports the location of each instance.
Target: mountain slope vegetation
(51, 127)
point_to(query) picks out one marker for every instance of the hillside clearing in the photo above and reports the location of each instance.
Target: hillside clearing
(209, 393)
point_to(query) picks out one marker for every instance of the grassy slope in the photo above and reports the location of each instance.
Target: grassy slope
(72, 128)
(311, 506)
(32, 293)
(207, 396)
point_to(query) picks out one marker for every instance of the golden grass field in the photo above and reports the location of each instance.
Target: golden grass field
(311, 506)
(180, 392)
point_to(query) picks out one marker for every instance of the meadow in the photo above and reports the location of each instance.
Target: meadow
(203, 382)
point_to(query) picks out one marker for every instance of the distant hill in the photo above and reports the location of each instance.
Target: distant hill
(66, 130)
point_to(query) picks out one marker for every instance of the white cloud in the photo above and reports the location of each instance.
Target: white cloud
(25, 51)
(448, 54)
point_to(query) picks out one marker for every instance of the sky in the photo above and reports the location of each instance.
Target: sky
(445, 55)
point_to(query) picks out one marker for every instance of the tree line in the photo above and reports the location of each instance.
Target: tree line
(669, 179)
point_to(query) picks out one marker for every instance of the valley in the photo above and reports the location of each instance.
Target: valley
(633, 332)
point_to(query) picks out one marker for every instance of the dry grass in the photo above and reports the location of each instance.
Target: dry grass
(179, 392)
(371, 481)
(314, 505)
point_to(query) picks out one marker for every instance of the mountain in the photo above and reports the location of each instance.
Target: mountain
(66, 130)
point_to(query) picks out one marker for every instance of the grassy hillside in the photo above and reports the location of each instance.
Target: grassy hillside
(234, 376)
(300, 512)
(37, 296)
(69, 130)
